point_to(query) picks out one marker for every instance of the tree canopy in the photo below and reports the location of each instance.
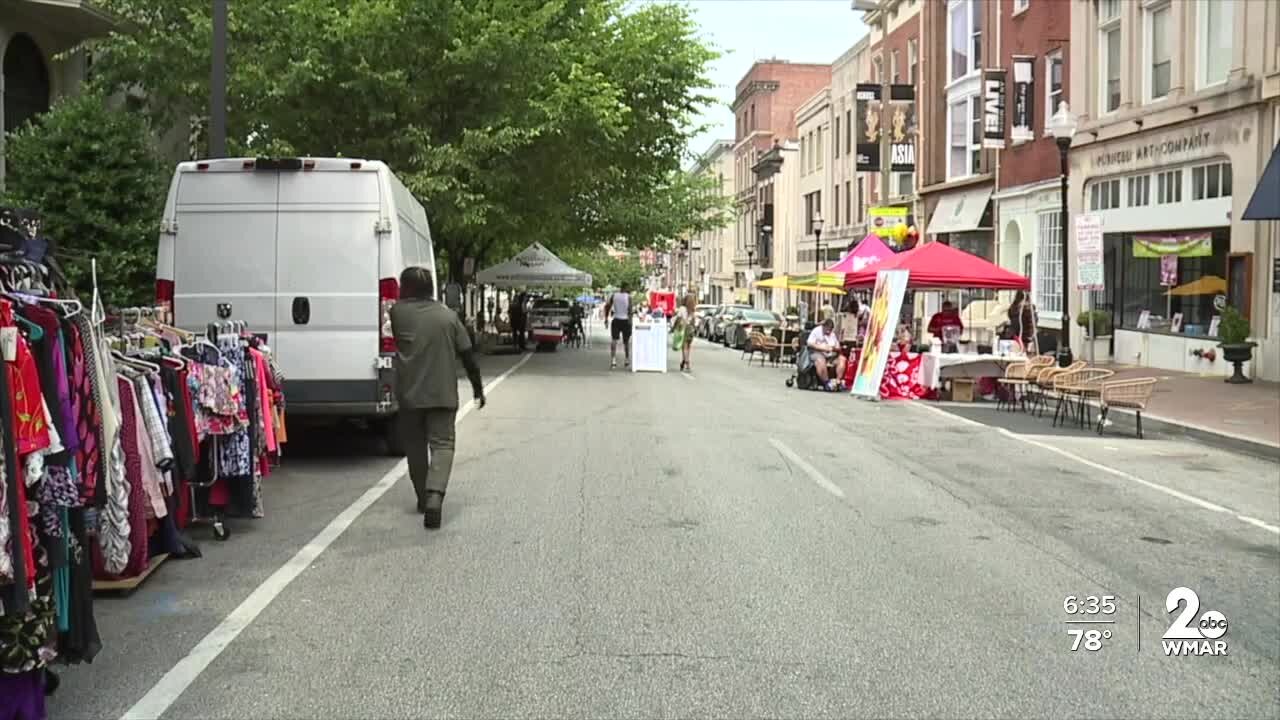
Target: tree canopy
(513, 121)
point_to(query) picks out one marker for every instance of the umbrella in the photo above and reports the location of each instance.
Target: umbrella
(790, 282)
(1207, 285)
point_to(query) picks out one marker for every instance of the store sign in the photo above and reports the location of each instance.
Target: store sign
(1023, 99)
(1090, 269)
(867, 127)
(1175, 146)
(993, 89)
(888, 223)
(902, 128)
(1185, 245)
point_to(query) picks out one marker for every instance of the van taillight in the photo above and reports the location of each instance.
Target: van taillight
(164, 297)
(388, 293)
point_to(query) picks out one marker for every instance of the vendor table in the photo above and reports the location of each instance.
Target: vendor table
(935, 368)
(649, 347)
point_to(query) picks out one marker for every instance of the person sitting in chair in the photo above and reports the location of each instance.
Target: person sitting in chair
(824, 348)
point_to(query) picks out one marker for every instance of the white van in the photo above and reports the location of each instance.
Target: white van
(306, 251)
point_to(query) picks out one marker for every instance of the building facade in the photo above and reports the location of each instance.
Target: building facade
(1174, 133)
(710, 259)
(848, 187)
(814, 196)
(777, 179)
(1034, 49)
(764, 109)
(32, 37)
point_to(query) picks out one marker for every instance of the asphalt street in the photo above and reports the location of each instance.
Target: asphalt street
(715, 545)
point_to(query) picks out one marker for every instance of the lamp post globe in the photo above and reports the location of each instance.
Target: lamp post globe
(1063, 128)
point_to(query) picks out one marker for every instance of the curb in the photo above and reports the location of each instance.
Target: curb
(1125, 422)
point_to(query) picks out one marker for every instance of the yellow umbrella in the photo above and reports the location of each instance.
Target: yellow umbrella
(789, 282)
(1207, 285)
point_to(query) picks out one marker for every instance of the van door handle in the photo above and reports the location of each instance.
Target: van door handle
(301, 311)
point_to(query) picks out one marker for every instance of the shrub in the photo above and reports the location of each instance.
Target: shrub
(1101, 321)
(1233, 328)
(94, 176)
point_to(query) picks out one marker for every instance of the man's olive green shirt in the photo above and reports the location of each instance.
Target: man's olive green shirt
(429, 338)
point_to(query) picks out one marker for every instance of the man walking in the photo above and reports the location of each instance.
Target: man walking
(430, 341)
(619, 308)
(519, 320)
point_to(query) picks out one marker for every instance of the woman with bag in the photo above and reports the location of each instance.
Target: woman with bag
(682, 330)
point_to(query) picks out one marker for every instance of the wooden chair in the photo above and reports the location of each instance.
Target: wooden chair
(769, 348)
(1043, 385)
(1078, 385)
(1011, 385)
(751, 346)
(1130, 394)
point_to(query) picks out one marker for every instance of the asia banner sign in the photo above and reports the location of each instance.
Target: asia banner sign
(877, 119)
(886, 306)
(1023, 101)
(902, 128)
(993, 110)
(1089, 262)
(867, 126)
(1186, 245)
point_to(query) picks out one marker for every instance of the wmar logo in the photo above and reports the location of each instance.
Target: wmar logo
(1189, 635)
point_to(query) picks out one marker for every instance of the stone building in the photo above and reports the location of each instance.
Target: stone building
(1177, 117)
(710, 259)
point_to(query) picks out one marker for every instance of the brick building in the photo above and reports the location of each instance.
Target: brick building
(1034, 49)
(764, 110)
(901, 59)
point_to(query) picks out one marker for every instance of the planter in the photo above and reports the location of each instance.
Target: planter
(1097, 349)
(1236, 354)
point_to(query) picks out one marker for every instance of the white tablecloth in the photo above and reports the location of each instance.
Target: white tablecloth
(934, 368)
(649, 347)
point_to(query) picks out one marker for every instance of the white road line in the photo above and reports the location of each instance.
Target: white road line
(182, 675)
(1213, 507)
(809, 470)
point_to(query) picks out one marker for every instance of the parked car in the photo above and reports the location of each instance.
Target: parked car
(720, 320)
(745, 322)
(700, 314)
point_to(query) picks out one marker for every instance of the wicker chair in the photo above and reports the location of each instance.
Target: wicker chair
(1043, 385)
(768, 346)
(751, 346)
(1012, 384)
(1078, 384)
(1130, 394)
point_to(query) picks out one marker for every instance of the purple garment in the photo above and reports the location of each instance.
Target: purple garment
(70, 438)
(22, 696)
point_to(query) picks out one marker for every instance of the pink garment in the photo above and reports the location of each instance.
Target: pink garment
(152, 480)
(265, 405)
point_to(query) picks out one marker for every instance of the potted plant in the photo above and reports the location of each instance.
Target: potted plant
(1233, 338)
(1100, 339)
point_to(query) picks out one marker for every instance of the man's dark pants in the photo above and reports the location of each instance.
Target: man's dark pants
(433, 429)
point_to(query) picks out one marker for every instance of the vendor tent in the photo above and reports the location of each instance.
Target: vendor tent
(870, 251)
(937, 266)
(830, 284)
(535, 266)
(1265, 202)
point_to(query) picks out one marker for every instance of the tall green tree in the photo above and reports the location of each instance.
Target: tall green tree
(95, 179)
(560, 121)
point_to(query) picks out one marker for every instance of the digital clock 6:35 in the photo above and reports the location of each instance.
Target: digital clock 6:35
(1089, 605)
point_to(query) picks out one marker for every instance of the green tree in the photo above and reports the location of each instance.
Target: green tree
(560, 121)
(100, 189)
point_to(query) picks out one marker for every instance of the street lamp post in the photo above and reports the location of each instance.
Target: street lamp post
(1063, 128)
(817, 241)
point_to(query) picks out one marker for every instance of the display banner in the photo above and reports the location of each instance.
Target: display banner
(1180, 244)
(886, 306)
(902, 128)
(993, 90)
(1024, 93)
(1169, 270)
(867, 128)
(883, 222)
(1090, 268)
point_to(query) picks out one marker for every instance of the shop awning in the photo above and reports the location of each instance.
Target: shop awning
(960, 211)
(1265, 203)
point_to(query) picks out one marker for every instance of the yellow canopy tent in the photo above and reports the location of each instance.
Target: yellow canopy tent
(793, 282)
(1207, 285)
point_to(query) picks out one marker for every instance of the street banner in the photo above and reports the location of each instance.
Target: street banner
(867, 129)
(1089, 263)
(902, 128)
(1187, 245)
(886, 306)
(993, 89)
(1024, 93)
(887, 223)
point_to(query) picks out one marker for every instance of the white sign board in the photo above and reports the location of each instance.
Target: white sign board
(1089, 264)
(649, 347)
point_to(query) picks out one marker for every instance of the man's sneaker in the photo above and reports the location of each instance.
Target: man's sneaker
(613, 363)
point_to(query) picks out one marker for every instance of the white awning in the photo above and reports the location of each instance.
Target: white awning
(535, 266)
(960, 211)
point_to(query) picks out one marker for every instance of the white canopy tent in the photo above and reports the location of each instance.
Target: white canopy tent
(535, 266)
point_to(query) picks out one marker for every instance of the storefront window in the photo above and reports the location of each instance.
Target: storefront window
(1049, 279)
(1177, 292)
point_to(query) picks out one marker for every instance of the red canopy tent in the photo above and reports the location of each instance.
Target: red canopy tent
(937, 266)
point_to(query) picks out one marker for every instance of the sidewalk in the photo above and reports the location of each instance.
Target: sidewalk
(1207, 406)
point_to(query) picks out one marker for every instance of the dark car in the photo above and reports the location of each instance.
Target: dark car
(744, 322)
(720, 320)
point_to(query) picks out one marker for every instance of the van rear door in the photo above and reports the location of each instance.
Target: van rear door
(224, 251)
(327, 263)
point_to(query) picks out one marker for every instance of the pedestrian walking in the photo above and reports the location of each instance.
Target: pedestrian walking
(430, 342)
(684, 323)
(618, 308)
(519, 320)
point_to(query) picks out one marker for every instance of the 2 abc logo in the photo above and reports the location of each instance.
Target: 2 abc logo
(1192, 633)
